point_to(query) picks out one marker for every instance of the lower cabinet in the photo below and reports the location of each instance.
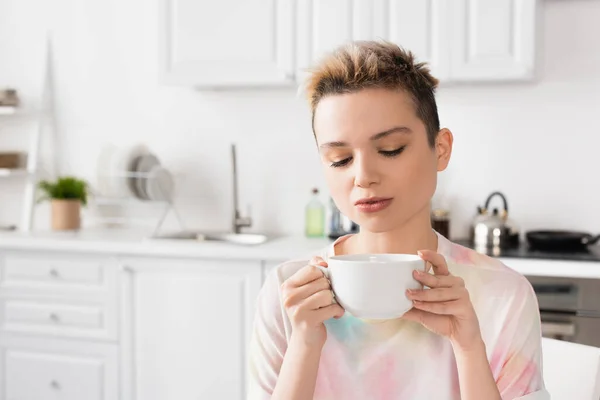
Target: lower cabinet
(96, 327)
(56, 369)
(185, 327)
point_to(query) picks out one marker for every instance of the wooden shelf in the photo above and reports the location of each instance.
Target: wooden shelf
(9, 172)
(4, 110)
(40, 114)
(15, 112)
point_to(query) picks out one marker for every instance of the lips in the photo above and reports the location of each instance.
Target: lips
(372, 204)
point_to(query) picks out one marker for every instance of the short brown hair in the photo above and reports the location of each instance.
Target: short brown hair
(376, 64)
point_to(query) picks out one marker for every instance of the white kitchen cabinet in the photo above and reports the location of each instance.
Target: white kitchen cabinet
(227, 43)
(187, 324)
(274, 42)
(462, 40)
(422, 27)
(53, 273)
(323, 25)
(57, 319)
(43, 369)
(492, 40)
(58, 294)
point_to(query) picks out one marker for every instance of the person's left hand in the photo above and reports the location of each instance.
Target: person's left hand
(446, 308)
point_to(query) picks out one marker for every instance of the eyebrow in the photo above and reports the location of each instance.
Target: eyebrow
(398, 129)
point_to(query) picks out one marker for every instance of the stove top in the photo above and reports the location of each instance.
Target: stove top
(523, 251)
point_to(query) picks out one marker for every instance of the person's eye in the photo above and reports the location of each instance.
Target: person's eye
(341, 163)
(392, 153)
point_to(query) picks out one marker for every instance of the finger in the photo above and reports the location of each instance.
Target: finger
(437, 281)
(437, 261)
(437, 294)
(318, 300)
(423, 317)
(440, 308)
(331, 311)
(301, 293)
(305, 275)
(413, 314)
(317, 261)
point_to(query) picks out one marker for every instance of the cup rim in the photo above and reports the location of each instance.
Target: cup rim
(380, 258)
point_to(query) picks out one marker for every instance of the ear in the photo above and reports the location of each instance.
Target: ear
(443, 148)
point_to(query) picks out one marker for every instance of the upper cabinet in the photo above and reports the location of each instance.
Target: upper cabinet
(273, 42)
(323, 25)
(422, 27)
(492, 40)
(227, 43)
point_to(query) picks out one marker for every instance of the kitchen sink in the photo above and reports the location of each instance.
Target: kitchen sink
(238, 222)
(228, 237)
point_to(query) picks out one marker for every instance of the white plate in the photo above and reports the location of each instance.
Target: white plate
(125, 163)
(143, 167)
(132, 181)
(160, 184)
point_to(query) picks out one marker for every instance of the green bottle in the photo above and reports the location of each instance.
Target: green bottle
(315, 216)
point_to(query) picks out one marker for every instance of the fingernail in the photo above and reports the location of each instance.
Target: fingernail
(419, 272)
(420, 253)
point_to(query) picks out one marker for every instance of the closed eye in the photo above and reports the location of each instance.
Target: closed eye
(392, 153)
(341, 163)
(385, 153)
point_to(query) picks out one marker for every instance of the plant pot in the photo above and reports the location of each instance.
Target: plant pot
(66, 214)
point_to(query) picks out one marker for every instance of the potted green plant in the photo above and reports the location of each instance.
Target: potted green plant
(67, 194)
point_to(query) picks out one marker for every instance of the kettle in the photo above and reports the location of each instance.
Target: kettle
(494, 230)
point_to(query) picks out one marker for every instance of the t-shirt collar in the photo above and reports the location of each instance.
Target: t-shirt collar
(444, 245)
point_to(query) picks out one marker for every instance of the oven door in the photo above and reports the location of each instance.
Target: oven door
(584, 329)
(569, 308)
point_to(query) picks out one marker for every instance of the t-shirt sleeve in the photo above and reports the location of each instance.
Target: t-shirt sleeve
(268, 342)
(516, 360)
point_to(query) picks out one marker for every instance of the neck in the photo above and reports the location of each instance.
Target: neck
(416, 234)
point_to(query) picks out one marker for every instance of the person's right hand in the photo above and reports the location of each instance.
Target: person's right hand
(309, 301)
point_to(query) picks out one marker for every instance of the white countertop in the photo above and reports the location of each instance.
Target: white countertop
(137, 243)
(554, 268)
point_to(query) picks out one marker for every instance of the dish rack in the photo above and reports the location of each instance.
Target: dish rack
(43, 116)
(167, 206)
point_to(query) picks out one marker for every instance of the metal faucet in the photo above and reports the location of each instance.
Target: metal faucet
(239, 222)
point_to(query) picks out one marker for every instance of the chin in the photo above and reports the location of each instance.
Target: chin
(376, 225)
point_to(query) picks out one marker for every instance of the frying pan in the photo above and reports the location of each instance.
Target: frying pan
(555, 240)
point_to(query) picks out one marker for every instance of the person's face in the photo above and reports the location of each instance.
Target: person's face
(372, 144)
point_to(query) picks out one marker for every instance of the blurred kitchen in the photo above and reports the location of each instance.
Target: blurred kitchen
(183, 124)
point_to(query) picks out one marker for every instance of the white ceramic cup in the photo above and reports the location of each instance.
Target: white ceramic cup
(373, 286)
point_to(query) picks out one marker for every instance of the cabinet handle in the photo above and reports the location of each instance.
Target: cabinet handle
(54, 273)
(54, 317)
(558, 329)
(55, 385)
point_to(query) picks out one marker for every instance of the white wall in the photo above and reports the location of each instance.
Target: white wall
(536, 142)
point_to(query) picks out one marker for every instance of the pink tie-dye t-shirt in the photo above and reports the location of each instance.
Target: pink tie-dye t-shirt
(398, 359)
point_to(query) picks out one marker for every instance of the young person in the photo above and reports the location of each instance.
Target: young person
(474, 335)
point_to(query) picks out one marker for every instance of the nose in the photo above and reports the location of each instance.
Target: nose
(365, 172)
